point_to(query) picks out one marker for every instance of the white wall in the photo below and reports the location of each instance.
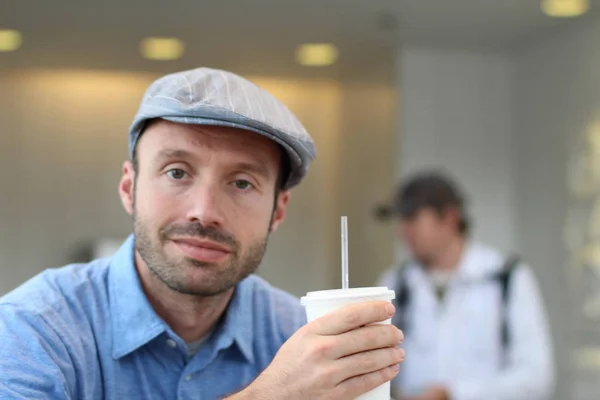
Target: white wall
(557, 111)
(63, 138)
(455, 113)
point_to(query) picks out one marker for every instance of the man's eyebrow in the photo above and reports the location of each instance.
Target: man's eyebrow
(180, 154)
(256, 168)
(168, 154)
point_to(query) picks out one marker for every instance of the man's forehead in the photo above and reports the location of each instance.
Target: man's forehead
(205, 135)
(168, 140)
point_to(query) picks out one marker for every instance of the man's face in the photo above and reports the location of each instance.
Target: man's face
(425, 233)
(202, 200)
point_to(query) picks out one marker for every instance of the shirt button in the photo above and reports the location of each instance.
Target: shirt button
(187, 378)
(171, 343)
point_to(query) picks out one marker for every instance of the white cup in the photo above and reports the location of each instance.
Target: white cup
(323, 302)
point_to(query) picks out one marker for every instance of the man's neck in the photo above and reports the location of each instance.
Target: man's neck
(448, 259)
(191, 317)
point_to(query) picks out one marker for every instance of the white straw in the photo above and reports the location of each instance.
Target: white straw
(345, 253)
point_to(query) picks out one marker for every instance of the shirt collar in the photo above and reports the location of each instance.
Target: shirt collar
(476, 264)
(135, 323)
(467, 267)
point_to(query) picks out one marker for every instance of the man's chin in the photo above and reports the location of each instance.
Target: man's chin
(196, 264)
(203, 290)
(201, 280)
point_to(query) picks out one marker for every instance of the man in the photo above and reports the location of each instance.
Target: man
(473, 318)
(177, 312)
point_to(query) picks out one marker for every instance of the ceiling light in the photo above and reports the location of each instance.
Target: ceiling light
(162, 48)
(10, 40)
(565, 8)
(316, 54)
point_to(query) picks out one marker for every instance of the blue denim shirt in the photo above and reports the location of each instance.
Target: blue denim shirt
(87, 331)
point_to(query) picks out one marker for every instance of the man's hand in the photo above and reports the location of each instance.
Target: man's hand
(432, 393)
(338, 356)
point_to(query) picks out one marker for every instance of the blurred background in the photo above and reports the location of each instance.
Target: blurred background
(504, 94)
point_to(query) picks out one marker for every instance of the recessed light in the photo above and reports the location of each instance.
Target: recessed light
(316, 54)
(162, 48)
(10, 40)
(565, 8)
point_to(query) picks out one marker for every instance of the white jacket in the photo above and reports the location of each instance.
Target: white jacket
(457, 343)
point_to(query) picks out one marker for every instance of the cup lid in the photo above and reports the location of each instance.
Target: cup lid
(339, 294)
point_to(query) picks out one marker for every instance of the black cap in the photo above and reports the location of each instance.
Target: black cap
(427, 189)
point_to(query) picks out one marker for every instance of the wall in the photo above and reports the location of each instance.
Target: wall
(455, 113)
(62, 144)
(557, 111)
(63, 138)
(367, 175)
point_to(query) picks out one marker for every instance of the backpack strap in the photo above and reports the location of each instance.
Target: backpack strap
(504, 279)
(402, 297)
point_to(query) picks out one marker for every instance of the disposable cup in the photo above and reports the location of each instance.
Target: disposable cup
(323, 302)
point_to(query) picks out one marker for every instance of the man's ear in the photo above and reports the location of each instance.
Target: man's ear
(280, 208)
(127, 187)
(451, 216)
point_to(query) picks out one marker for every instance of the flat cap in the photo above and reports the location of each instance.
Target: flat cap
(206, 96)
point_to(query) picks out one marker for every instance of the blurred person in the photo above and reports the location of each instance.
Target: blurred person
(177, 312)
(474, 321)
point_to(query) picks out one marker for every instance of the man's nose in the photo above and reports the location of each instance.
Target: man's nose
(205, 204)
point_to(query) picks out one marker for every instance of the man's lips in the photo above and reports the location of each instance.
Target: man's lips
(201, 249)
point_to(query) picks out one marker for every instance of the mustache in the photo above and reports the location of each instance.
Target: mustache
(198, 230)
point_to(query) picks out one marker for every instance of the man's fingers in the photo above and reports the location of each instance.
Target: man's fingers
(367, 362)
(363, 339)
(354, 387)
(350, 317)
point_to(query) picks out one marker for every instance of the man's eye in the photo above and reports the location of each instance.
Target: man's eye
(242, 184)
(176, 173)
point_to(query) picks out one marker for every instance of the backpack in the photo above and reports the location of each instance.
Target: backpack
(503, 278)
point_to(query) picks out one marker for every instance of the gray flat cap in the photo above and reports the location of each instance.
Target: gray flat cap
(206, 96)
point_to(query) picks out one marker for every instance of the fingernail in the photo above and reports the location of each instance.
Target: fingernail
(402, 354)
(390, 309)
(400, 336)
